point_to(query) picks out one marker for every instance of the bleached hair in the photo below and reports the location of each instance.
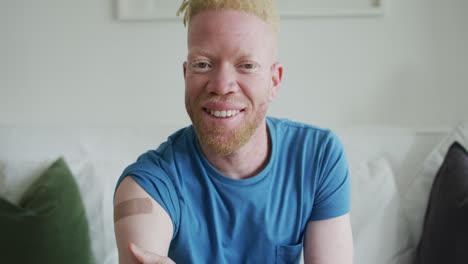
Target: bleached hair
(265, 9)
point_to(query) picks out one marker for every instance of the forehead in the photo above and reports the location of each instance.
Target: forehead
(229, 31)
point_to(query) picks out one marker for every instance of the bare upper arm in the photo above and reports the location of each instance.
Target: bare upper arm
(329, 241)
(150, 230)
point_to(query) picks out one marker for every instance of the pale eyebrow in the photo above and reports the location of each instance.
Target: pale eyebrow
(246, 55)
(206, 53)
(199, 51)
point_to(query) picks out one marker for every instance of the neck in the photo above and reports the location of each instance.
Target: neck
(247, 161)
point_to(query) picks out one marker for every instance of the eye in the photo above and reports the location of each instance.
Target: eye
(249, 66)
(201, 65)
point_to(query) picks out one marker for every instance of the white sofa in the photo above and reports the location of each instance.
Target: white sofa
(391, 173)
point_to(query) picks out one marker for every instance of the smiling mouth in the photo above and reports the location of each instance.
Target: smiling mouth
(222, 113)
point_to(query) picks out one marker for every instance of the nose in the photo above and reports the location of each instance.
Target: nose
(223, 80)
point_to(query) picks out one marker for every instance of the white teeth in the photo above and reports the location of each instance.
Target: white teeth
(223, 113)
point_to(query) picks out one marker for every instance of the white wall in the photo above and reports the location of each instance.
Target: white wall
(70, 62)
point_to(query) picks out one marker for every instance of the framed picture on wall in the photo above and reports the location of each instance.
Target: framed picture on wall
(166, 9)
(311, 8)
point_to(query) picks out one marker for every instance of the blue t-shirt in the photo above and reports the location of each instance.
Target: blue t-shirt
(261, 219)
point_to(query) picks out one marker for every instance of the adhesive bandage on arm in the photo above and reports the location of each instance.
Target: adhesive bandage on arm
(131, 207)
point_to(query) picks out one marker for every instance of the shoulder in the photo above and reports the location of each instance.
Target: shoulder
(287, 125)
(154, 173)
(129, 189)
(163, 155)
(307, 134)
(156, 167)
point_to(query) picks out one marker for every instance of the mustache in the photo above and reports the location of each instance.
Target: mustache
(222, 99)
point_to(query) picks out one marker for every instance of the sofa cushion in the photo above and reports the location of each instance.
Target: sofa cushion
(445, 237)
(378, 223)
(49, 224)
(416, 196)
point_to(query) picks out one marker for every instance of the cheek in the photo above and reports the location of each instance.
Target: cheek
(189, 93)
(189, 90)
(194, 85)
(193, 91)
(259, 91)
(187, 104)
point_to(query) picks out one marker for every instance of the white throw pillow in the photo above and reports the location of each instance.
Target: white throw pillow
(417, 195)
(380, 231)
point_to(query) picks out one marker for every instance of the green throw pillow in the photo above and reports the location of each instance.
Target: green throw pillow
(49, 225)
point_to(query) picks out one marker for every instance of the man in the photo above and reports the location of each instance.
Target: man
(236, 186)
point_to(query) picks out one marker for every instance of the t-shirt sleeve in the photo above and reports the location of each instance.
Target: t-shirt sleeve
(332, 195)
(150, 175)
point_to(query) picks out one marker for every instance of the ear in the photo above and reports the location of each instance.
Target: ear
(276, 78)
(185, 69)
